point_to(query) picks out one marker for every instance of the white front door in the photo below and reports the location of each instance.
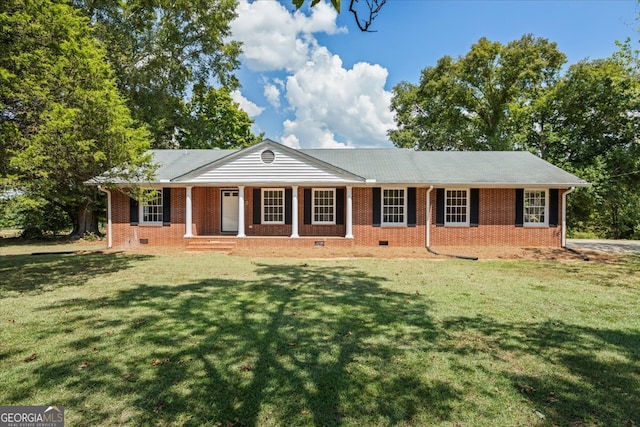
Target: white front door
(229, 211)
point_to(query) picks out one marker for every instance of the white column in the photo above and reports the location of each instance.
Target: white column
(294, 212)
(189, 215)
(349, 228)
(241, 212)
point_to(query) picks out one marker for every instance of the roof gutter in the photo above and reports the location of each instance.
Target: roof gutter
(109, 221)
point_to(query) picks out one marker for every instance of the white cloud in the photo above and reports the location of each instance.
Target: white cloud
(332, 106)
(330, 100)
(308, 130)
(249, 107)
(272, 93)
(274, 38)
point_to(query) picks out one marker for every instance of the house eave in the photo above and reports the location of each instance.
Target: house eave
(499, 185)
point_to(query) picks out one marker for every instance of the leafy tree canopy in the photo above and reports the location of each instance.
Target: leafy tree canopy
(162, 53)
(62, 118)
(596, 133)
(515, 96)
(465, 103)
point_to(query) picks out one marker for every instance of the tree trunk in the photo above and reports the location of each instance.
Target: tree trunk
(84, 221)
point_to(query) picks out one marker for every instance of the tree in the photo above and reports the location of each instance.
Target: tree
(466, 104)
(63, 120)
(597, 129)
(363, 17)
(514, 97)
(217, 121)
(161, 52)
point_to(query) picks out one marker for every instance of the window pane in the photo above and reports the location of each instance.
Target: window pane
(323, 206)
(273, 206)
(535, 207)
(152, 209)
(456, 206)
(393, 206)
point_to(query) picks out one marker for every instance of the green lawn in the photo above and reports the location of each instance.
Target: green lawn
(206, 339)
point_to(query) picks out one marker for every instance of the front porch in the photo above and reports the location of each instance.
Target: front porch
(261, 211)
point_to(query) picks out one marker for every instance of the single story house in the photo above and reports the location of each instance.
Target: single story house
(272, 195)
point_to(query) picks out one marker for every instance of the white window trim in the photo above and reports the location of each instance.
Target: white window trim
(313, 206)
(545, 223)
(458, 224)
(141, 207)
(284, 208)
(404, 216)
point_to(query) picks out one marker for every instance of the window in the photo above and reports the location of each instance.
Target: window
(324, 206)
(456, 207)
(535, 207)
(393, 206)
(273, 206)
(151, 209)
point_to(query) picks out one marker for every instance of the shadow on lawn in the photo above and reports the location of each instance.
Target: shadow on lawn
(34, 274)
(299, 346)
(598, 377)
(312, 345)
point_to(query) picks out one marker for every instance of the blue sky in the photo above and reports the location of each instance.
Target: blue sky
(311, 79)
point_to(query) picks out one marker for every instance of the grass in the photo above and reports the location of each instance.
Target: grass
(206, 339)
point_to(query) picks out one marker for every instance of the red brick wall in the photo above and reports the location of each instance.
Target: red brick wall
(496, 223)
(366, 234)
(126, 235)
(285, 229)
(205, 208)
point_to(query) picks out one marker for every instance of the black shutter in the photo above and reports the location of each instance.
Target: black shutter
(307, 206)
(133, 211)
(166, 206)
(340, 206)
(440, 207)
(257, 205)
(519, 207)
(377, 206)
(475, 207)
(411, 206)
(288, 194)
(553, 207)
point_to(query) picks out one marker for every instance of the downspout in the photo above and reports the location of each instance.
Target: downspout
(428, 237)
(109, 222)
(564, 216)
(472, 258)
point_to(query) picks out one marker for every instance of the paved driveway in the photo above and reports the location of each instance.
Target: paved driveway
(613, 246)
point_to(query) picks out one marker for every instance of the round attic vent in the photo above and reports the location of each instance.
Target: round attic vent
(267, 156)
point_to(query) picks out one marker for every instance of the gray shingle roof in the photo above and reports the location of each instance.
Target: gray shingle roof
(449, 167)
(401, 166)
(174, 163)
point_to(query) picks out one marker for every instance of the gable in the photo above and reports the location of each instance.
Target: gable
(266, 163)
